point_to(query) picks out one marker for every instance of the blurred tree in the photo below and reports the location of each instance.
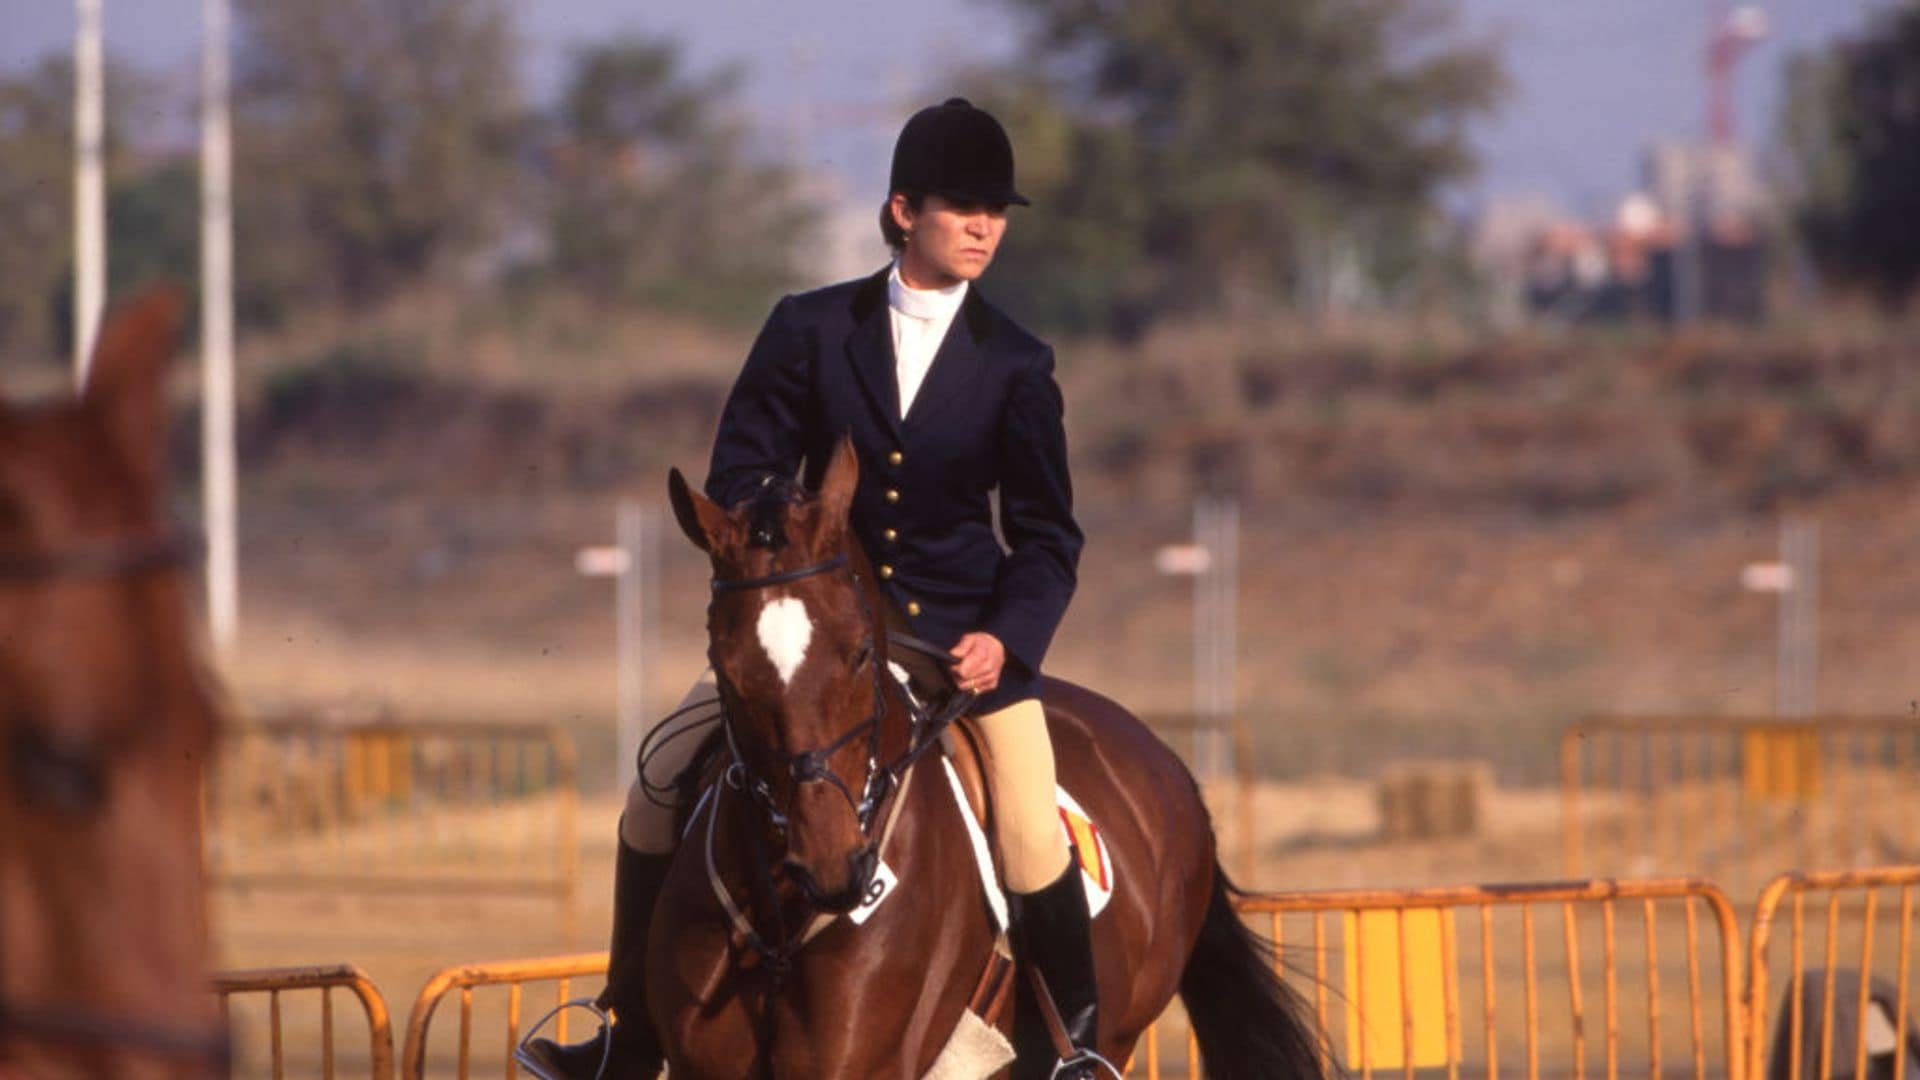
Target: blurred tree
(380, 139)
(1851, 129)
(656, 198)
(1213, 154)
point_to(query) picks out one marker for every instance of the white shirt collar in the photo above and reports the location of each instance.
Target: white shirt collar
(928, 304)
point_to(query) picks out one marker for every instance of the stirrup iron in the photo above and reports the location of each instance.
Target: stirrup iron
(1084, 1057)
(526, 1060)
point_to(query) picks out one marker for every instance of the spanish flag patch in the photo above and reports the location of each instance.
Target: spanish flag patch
(1096, 862)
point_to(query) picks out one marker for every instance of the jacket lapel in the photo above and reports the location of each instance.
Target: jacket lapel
(870, 349)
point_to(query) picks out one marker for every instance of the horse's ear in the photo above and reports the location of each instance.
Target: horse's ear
(836, 488)
(699, 516)
(126, 380)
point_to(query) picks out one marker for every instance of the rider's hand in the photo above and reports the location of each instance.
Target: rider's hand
(977, 661)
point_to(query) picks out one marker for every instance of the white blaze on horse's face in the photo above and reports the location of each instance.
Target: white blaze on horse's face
(785, 629)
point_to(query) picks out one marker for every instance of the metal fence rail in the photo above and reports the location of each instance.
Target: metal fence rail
(308, 1044)
(1393, 978)
(1861, 965)
(502, 1011)
(1403, 985)
(394, 807)
(1735, 797)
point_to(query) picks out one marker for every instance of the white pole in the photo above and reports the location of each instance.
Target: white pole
(1229, 627)
(1797, 661)
(89, 190)
(219, 489)
(1202, 613)
(630, 528)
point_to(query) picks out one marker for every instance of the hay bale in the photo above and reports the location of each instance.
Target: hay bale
(1431, 799)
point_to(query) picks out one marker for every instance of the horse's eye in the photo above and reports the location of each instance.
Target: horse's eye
(63, 779)
(861, 657)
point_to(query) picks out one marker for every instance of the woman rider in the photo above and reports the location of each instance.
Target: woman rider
(947, 401)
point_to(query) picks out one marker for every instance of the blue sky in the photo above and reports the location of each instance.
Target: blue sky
(831, 79)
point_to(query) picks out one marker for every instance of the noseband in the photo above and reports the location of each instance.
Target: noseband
(70, 779)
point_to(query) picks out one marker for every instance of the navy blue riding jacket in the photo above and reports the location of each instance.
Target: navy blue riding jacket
(988, 418)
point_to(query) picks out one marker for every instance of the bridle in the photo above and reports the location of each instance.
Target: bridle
(810, 766)
(50, 773)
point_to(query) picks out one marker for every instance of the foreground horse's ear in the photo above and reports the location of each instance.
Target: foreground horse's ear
(126, 380)
(697, 514)
(836, 488)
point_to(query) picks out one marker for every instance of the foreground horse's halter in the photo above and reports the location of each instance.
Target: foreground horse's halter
(73, 784)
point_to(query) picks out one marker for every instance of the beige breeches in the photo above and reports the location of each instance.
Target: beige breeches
(1033, 844)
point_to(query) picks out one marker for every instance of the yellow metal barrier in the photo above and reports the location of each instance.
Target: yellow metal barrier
(1736, 797)
(312, 990)
(393, 807)
(1439, 970)
(511, 977)
(1866, 930)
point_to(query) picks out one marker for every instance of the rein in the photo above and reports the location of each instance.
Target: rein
(69, 779)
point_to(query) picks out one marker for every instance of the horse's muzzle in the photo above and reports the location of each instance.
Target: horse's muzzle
(861, 865)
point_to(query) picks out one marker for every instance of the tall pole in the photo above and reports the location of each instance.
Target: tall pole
(89, 190)
(1797, 660)
(630, 527)
(218, 486)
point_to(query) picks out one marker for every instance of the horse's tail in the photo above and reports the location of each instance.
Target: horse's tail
(1249, 1023)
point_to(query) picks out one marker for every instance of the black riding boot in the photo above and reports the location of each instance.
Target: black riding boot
(635, 1053)
(1053, 932)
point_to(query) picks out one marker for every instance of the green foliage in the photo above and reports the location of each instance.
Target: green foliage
(153, 222)
(1851, 128)
(378, 137)
(1199, 154)
(655, 197)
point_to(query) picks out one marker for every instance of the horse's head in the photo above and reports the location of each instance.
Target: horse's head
(105, 724)
(799, 653)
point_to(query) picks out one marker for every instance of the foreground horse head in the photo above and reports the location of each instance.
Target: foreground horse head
(800, 663)
(105, 723)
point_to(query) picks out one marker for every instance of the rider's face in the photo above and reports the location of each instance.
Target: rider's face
(948, 240)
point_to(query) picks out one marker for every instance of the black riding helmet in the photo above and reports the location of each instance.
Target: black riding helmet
(958, 151)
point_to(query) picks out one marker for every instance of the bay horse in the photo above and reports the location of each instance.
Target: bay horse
(105, 724)
(756, 970)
